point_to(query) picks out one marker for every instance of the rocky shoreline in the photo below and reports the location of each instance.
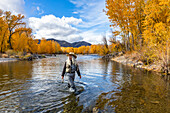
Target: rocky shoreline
(133, 61)
(28, 57)
(137, 64)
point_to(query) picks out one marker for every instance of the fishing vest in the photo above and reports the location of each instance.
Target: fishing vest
(70, 68)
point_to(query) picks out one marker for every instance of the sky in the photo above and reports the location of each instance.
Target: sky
(70, 20)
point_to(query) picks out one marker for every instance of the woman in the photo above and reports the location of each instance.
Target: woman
(70, 67)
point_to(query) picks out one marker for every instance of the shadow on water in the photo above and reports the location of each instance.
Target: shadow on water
(107, 86)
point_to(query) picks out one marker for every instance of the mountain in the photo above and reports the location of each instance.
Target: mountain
(64, 43)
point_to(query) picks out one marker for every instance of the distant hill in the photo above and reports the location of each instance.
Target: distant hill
(64, 43)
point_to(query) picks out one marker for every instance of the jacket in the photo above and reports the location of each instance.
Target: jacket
(70, 67)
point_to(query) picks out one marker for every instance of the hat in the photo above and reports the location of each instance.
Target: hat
(72, 54)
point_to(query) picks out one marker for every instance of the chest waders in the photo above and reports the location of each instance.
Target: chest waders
(70, 73)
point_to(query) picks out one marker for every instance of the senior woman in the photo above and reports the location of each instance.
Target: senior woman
(70, 67)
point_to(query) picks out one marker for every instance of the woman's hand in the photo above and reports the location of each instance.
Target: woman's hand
(62, 79)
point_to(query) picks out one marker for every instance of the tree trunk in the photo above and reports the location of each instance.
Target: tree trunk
(9, 41)
(128, 42)
(133, 42)
(141, 40)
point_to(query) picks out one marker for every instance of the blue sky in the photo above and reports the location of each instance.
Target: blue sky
(70, 20)
(58, 8)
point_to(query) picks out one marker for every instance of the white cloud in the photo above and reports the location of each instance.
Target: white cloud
(75, 12)
(91, 36)
(38, 8)
(95, 22)
(91, 11)
(15, 6)
(49, 26)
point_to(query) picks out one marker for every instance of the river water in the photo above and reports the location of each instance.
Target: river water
(106, 86)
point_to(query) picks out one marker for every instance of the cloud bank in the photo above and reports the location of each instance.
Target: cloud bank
(15, 6)
(50, 26)
(91, 25)
(95, 22)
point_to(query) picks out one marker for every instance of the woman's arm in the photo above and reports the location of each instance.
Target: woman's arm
(78, 71)
(64, 70)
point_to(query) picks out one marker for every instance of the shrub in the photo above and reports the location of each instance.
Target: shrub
(10, 52)
(20, 53)
(27, 56)
(148, 55)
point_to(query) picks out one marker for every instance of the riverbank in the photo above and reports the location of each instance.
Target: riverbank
(28, 57)
(112, 87)
(8, 59)
(133, 61)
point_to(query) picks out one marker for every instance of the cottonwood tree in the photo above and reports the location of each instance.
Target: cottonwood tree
(13, 22)
(157, 29)
(3, 33)
(126, 16)
(105, 48)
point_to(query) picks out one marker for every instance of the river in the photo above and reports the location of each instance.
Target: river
(36, 86)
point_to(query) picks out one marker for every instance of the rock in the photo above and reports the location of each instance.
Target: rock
(12, 57)
(28, 57)
(138, 64)
(16, 56)
(43, 56)
(28, 53)
(120, 53)
(130, 63)
(96, 110)
(108, 56)
(155, 102)
(35, 56)
(4, 56)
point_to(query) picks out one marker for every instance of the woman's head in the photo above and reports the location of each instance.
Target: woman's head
(71, 55)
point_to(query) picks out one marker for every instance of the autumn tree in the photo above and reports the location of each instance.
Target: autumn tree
(3, 34)
(157, 29)
(105, 47)
(49, 47)
(93, 49)
(126, 16)
(13, 22)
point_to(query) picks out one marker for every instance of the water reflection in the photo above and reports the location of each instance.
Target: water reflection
(36, 87)
(140, 92)
(12, 76)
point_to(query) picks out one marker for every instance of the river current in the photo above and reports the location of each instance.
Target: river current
(106, 86)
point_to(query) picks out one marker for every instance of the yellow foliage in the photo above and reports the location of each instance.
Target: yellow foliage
(142, 25)
(49, 47)
(93, 49)
(3, 35)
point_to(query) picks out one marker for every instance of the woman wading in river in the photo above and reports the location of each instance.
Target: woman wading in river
(70, 67)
